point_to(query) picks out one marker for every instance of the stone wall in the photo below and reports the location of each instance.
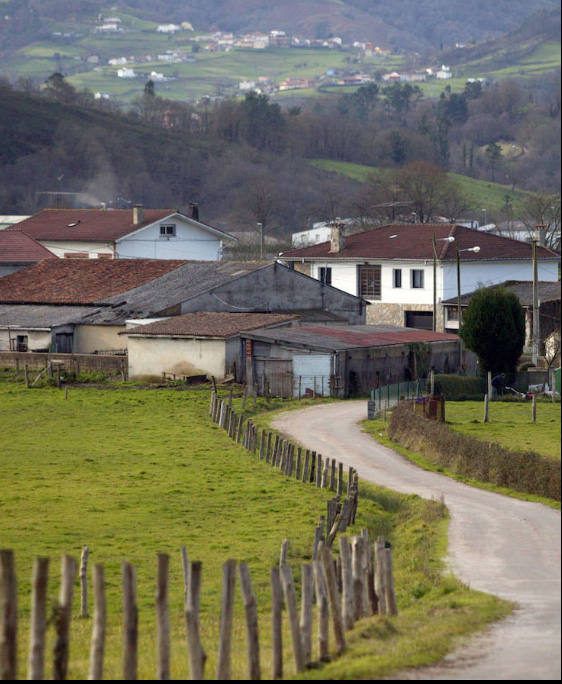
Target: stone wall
(77, 363)
(379, 313)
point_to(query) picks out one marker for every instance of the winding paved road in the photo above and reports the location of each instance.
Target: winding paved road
(497, 544)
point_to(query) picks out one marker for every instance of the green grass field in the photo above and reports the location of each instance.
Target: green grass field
(510, 424)
(133, 472)
(479, 193)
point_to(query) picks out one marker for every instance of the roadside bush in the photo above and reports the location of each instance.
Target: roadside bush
(460, 387)
(527, 471)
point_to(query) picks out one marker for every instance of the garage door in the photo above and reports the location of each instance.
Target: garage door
(311, 374)
(419, 319)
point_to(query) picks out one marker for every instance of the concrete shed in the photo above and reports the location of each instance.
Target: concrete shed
(343, 362)
(205, 343)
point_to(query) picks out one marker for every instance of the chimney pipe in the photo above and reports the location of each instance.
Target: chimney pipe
(138, 214)
(194, 210)
(337, 239)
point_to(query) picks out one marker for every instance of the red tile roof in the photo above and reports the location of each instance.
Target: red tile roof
(18, 248)
(209, 324)
(80, 281)
(86, 224)
(415, 241)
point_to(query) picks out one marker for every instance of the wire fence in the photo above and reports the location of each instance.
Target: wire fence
(383, 398)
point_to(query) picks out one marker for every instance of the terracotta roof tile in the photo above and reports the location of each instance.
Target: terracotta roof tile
(18, 248)
(415, 241)
(80, 281)
(86, 224)
(209, 324)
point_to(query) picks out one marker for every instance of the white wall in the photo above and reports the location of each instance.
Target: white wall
(344, 277)
(474, 275)
(36, 339)
(91, 338)
(59, 248)
(155, 355)
(190, 242)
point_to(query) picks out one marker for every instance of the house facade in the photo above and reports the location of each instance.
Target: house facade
(393, 267)
(136, 233)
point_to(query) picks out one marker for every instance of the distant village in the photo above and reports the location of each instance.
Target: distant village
(222, 41)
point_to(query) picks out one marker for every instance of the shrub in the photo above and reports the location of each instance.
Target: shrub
(527, 471)
(460, 387)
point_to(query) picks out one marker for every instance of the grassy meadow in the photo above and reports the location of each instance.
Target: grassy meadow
(131, 472)
(479, 193)
(510, 424)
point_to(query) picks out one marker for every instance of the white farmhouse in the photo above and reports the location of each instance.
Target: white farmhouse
(168, 28)
(444, 72)
(125, 234)
(392, 267)
(126, 73)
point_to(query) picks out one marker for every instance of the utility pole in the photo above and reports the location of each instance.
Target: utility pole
(535, 306)
(260, 228)
(434, 283)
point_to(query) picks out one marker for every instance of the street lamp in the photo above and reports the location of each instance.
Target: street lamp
(475, 249)
(484, 214)
(449, 238)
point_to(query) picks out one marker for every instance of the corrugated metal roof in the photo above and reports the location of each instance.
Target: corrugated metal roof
(349, 337)
(547, 292)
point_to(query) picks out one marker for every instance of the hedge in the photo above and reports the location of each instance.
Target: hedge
(526, 472)
(461, 387)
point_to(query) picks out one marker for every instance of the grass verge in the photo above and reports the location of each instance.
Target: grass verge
(139, 471)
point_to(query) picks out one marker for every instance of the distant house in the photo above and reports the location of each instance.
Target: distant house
(82, 305)
(195, 344)
(391, 266)
(126, 73)
(444, 72)
(168, 28)
(18, 250)
(393, 77)
(125, 234)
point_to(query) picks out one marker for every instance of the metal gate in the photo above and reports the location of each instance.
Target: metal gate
(274, 377)
(311, 375)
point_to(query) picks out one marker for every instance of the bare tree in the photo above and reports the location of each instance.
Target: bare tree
(544, 210)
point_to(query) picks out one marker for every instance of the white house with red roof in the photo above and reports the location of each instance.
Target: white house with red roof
(136, 233)
(392, 267)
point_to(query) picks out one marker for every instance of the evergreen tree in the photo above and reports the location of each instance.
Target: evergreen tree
(493, 327)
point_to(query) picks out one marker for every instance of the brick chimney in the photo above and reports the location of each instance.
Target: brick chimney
(337, 239)
(138, 214)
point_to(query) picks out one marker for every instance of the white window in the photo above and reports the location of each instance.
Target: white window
(417, 278)
(168, 231)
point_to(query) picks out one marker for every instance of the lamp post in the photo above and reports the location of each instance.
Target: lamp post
(466, 249)
(449, 238)
(484, 214)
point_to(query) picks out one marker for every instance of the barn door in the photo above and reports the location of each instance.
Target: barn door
(311, 374)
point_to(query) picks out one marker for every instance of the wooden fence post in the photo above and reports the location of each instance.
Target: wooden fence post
(305, 477)
(26, 371)
(197, 655)
(268, 452)
(370, 596)
(339, 490)
(98, 632)
(356, 548)
(130, 621)
(380, 576)
(318, 470)
(347, 583)
(252, 631)
(299, 462)
(312, 467)
(486, 408)
(163, 618)
(333, 598)
(283, 552)
(38, 626)
(307, 592)
(63, 616)
(333, 475)
(323, 611)
(391, 607)
(276, 624)
(534, 409)
(262, 445)
(227, 614)
(291, 603)
(9, 613)
(84, 582)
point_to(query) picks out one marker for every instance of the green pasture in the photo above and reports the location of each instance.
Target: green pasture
(131, 472)
(479, 193)
(510, 424)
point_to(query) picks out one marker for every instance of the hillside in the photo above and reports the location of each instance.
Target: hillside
(405, 24)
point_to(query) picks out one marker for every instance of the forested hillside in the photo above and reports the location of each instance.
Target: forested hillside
(248, 160)
(406, 24)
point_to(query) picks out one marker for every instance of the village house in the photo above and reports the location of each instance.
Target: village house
(136, 233)
(18, 250)
(391, 266)
(82, 305)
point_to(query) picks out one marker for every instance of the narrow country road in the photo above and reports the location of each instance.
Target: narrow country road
(497, 544)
